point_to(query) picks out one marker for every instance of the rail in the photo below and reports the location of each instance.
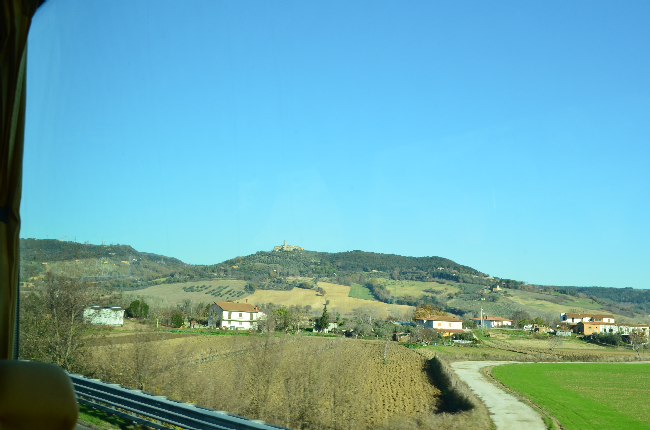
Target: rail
(157, 412)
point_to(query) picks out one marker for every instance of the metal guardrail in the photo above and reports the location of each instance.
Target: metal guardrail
(155, 411)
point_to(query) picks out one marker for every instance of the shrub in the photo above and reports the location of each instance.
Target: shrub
(137, 309)
(609, 338)
(177, 319)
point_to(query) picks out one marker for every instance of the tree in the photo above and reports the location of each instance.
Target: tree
(637, 340)
(177, 319)
(555, 341)
(423, 311)
(520, 315)
(324, 320)
(52, 326)
(283, 317)
(384, 329)
(138, 309)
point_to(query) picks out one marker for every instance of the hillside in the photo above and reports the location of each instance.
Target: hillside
(391, 279)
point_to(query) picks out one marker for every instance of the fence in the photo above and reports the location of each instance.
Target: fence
(157, 411)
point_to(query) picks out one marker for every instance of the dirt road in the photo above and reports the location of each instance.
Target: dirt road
(506, 411)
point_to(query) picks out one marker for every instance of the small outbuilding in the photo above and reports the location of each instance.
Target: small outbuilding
(104, 315)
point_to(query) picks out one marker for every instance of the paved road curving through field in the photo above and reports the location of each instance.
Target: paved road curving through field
(508, 413)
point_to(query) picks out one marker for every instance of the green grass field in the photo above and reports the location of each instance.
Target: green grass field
(417, 288)
(360, 292)
(585, 396)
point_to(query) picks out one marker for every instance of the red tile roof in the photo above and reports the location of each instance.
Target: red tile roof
(237, 307)
(440, 318)
(487, 318)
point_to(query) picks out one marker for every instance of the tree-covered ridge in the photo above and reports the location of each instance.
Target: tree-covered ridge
(50, 250)
(367, 261)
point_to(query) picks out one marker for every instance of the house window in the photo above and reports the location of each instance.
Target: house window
(229, 315)
(449, 324)
(439, 324)
(240, 323)
(240, 314)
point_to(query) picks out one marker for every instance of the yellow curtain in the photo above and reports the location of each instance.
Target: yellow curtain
(16, 19)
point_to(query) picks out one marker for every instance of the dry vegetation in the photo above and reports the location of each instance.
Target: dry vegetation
(300, 382)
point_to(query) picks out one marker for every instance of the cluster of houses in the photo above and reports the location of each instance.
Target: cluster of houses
(244, 316)
(584, 323)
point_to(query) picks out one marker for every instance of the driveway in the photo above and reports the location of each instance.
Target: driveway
(507, 412)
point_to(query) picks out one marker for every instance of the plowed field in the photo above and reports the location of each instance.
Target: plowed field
(293, 381)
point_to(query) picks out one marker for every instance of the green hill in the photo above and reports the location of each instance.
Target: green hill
(387, 278)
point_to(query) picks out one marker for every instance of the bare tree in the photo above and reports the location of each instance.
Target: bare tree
(638, 340)
(555, 342)
(53, 328)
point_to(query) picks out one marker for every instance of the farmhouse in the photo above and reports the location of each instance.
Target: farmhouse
(574, 318)
(104, 315)
(442, 323)
(492, 322)
(234, 316)
(331, 326)
(606, 327)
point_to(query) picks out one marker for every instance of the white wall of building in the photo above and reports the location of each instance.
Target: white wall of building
(105, 316)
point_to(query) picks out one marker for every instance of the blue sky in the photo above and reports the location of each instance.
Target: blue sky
(511, 137)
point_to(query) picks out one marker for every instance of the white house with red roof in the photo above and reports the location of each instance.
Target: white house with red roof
(235, 316)
(442, 323)
(492, 322)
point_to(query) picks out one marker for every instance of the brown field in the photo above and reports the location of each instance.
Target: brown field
(294, 381)
(173, 294)
(338, 295)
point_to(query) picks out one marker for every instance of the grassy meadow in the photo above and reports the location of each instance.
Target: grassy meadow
(595, 395)
(417, 288)
(360, 292)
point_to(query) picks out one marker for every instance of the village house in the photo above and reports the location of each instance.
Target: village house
(492, 322)
(235, 316)
(588, 328)
(443, 324)
(331, 326)
(104, 315)
(574, 318)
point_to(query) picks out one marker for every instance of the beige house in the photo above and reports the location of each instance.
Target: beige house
(442, 323)
(235, 316)
(606, 327)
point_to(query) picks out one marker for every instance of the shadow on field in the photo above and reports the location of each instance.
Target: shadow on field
(454, 396)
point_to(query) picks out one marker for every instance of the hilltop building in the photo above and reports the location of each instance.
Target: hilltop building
(234, 316)
(286, 247)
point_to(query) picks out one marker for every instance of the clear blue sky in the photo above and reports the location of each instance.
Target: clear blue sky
(512, 137)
